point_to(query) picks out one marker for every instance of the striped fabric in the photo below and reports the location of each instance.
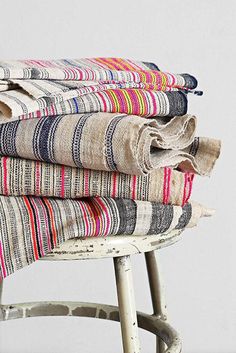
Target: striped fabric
(110, 142)
(35, 88)
(17, 104)
(26, 177)
(32, 226)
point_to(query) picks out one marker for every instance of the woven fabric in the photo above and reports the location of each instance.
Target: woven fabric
(110, 142)
(46, 88)
(32, 226)
(26, 177)
(17, 104)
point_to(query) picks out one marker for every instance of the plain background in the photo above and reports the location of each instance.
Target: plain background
(180, 36)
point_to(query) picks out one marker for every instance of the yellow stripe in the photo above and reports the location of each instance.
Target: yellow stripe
(115, 100)
(141, 103)
(127, 64)
(128, 101)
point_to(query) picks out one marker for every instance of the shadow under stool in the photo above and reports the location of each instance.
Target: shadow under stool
(120, 248)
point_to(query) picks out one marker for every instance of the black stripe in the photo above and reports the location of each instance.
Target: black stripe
(178, 103)
(194, 146)
(185, 217)
(127, 214)
(162, 216)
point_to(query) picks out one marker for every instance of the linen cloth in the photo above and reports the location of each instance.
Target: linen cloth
(45, 88)
(27, 177)
(32, 226)
(111, 142)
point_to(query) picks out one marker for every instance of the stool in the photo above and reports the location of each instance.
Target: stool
(120, 248)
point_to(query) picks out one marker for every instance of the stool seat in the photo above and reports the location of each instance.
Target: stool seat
(112, 246)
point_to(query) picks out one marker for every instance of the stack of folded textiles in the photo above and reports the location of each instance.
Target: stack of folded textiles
(94, 147)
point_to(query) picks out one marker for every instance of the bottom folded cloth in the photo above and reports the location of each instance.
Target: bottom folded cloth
(30, 227)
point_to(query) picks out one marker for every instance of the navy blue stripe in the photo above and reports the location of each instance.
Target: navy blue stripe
(8, 138)
(76, 141)
(108, 141)
(76, 105)
(43, 138)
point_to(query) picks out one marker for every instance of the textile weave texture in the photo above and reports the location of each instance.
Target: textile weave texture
(27, 177)
(32, 226)
(36, 88)
(110, 142)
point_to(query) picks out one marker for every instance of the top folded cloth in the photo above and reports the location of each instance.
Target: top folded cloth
(36, 88)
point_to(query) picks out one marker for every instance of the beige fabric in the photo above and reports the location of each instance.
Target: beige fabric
(102, 141)
(27, 177)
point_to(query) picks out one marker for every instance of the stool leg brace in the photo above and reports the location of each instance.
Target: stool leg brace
(125, 313)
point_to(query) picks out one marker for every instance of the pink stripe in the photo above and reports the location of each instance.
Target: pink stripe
(154, 103)
(5, 175)
(37, 178)
(164, 186)
(185, 185)
(86, 182)
(62, 181)
(114, 178)
(103, 101)
(190, 185)
(82, 204)
(134, 182)
(2, 261)
(38, 226)
(108, 221)
(168, 185)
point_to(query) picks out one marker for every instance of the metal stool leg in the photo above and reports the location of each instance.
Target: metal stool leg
(126, 300)
(157, 295)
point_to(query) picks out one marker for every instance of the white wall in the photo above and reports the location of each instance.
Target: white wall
(180, 36)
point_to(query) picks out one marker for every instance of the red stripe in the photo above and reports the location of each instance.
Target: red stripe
(62, 181)
(190, 185)
(85, 219)
(37, 178)
(164, 186)
(185, 185)
(134, 182)
(51, 220)
(2, 262)
(33, 232)
(168, 185)
(103, 100)
(108, 221)
(114, 186)
(86, 182)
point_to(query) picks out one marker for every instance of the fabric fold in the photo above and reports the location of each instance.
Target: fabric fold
(17, 104)
(110, 142)
(32, 226)
(37, 88)
(27, 177)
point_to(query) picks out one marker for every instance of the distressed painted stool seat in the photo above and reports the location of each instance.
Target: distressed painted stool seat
(120, 248)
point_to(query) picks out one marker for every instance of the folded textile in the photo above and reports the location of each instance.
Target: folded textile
(36, 88)
(16, 104)
(27, 177)
(32, 226)
(110, 142)
(94, 69)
